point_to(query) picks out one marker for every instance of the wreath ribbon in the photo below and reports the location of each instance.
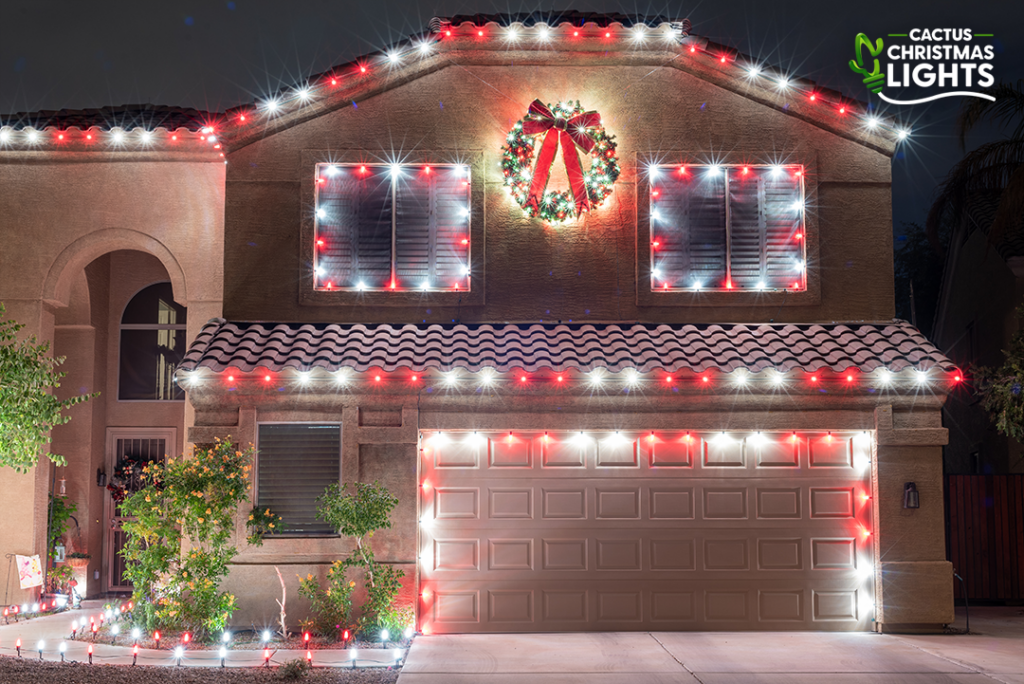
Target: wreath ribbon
(570, 134)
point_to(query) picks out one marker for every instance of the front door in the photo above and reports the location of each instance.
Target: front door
(128, 450)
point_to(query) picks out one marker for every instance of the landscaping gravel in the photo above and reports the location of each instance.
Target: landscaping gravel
(25, 671)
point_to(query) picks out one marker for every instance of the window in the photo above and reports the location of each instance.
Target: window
(152, 345)
(727, 228)
(392, 227)
(294, 464)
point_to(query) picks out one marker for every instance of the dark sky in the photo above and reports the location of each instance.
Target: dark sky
(219, 53)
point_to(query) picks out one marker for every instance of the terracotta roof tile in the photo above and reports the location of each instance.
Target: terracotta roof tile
(127, 117)
(248, 346)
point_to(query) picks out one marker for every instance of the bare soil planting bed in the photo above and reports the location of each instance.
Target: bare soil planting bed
(25, 671)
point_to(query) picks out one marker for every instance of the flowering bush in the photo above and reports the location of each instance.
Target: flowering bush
(261, 522)
(191, 500)
(329, 607)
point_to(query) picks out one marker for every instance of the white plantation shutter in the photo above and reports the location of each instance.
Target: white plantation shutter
(758, 233)
(294, 464)
(415, 222)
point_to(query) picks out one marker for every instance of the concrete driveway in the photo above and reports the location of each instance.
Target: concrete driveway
(994, 652)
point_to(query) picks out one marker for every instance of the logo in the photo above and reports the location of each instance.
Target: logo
(945, 60)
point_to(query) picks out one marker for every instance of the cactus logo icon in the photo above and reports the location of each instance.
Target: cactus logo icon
(936, 62)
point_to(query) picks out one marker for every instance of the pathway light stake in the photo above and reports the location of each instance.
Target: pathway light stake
(17, 645)
(223, 655)
(309, 658)
(266, 657)
(398, 656)
(352, 657)
(384, 635)
(63, 647)
(74, 629)
(90, 654)
(114, 631)
(156, 638)
(39, 647)
(178, 653)
(94, 630)
(135, 654)
(136, 633)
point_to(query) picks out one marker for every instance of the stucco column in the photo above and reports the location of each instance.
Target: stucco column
(914, 582)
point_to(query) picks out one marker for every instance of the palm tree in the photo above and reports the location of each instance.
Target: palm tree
(992, 174)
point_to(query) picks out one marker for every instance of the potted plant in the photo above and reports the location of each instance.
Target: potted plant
(77, 559)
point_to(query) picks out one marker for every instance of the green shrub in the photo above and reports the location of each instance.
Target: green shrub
(294, 669)
(329, 607)
(358, 513)
(196, 499)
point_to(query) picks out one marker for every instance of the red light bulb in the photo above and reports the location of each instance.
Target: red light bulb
(842, 110)
(723, 59)
(705, 379)
(693, 48)
(480, 34)
(376, 378)
(814, 378)
(560, 378)
(522, 378)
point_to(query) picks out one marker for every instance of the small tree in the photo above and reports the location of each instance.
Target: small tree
(358, 514)
(1000, 388)
(194, 499)
(28, 409)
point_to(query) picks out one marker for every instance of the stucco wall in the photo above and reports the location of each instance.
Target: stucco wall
(82, 232)
(582, 272)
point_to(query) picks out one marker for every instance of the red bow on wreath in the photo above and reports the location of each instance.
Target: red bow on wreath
(572, 133)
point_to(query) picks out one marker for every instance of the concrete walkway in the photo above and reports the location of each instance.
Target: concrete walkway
(994, 652)
(54, 629)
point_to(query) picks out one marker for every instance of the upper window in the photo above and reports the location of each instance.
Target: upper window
(392, 227)
(152, 345)
(727, 228)
(294, 464)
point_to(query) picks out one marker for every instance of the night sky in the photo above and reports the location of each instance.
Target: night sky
(212, 55)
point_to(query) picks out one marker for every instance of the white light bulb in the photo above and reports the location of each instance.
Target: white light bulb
(740, 379)
(425, 285)
(408, 632)
(652, 171)
(921, 377)
(754, 70)
(464, 211)
(465, 270)
(487, 377)
(778, 378)
(32, 135)
(178, 652)
(426, 46)
(360, 286)
(798, 205)
(543, 32)
(656, 272)
(872, 122)
(63, 647)
(713, 170)
(776, 170)
(321, 213)
(332, 170)
(902, 134)
(396, 170)
(596, 378)
(304, 379)
(384, 634)
(147, 136)
(115, 630)
(511, 33)
(640, 32)
(632, 377)
(41, 645)
(303, 94)
(117, 136)
(136, 633)
(394, 57)
(697, 284)
(784, 83)
(319, 270)
(798, 265)
(266, 635)
(223, 652)
(5, 134)
(271, 105)
(760, 285)
(656, 215)
(885, 376)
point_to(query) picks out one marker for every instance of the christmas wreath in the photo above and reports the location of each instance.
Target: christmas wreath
(569, 126)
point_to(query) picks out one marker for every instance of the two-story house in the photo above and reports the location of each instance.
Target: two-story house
(606, 305)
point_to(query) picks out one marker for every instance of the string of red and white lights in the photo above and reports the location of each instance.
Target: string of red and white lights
(636, 37)
(852, 379)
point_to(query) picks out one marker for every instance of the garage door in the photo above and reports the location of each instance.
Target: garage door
(596, 531)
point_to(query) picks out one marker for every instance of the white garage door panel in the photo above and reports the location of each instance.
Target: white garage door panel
(558, 531)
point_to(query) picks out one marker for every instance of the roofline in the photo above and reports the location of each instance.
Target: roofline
(447, 43)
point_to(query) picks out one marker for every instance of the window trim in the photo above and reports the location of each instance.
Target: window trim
(183, 327)
(707, 297)
(256, 473)
(413, 299)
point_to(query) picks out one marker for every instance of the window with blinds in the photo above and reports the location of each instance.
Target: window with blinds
(294, 464)
(392, 227)
(727, 228)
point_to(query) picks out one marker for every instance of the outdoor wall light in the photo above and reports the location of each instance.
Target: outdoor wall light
(911, 497)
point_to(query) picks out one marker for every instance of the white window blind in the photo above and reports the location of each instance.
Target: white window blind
(392, 227)
(294, 464)
(727, 228)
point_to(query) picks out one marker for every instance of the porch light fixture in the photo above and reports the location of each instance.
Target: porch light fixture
(911, 497)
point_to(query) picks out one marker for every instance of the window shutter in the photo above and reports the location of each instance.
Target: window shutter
(688, 222)
(355, 228)
(784, 251)
(747, 227)
(294, 465)
(430, 224)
